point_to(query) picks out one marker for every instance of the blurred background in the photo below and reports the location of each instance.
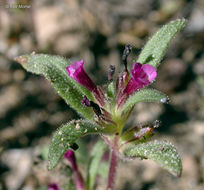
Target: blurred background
(97, 31)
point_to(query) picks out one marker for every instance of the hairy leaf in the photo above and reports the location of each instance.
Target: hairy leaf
(104, 167)
(164, 153)
(54, 69)
(144, 95)
(156, 47)
(93, 166)
(66, 135)
(111, 90)
(70, 185)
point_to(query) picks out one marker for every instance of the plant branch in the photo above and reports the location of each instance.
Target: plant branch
(113, 165)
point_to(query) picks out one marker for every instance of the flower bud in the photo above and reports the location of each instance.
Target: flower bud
(70, 156)
(53, 186)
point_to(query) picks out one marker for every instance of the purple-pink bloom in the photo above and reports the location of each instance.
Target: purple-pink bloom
(141, 75)
(53, 186)
(76, 71)
(71, 158)
(78, 180)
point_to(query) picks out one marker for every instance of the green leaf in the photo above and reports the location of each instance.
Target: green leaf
(156, 47)
(144, 95)
(54, 69)
(70, 185)
(164, 153)
(93, 166)
(111, 90)
(81, 151)
(104, 167)
(66, 135)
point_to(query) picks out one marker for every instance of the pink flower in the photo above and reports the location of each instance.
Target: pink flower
(53, 186)
(76, 71)
(142, 75)
(78, 180)
(70, 156)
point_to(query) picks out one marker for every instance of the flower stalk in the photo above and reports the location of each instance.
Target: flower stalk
(113, 164)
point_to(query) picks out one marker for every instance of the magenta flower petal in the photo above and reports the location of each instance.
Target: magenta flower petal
(53, 186)
(150, 72)
(142, 75)
(70, 156)
(78, 179)
(76, 71)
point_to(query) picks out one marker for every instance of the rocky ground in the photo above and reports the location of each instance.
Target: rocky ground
(97, 31)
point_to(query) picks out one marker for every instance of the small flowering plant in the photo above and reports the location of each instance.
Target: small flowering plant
(106, 112)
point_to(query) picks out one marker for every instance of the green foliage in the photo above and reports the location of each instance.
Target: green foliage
(164, 153)
(54, 69)
(70, 185)
(104, 167)
(111, 90)
(93, 166)
(66, 135)
(137, 135)
(144, 95)
(156, 47)
(81, 151)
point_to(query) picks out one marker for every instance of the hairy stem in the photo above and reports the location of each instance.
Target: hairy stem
(113, 165)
